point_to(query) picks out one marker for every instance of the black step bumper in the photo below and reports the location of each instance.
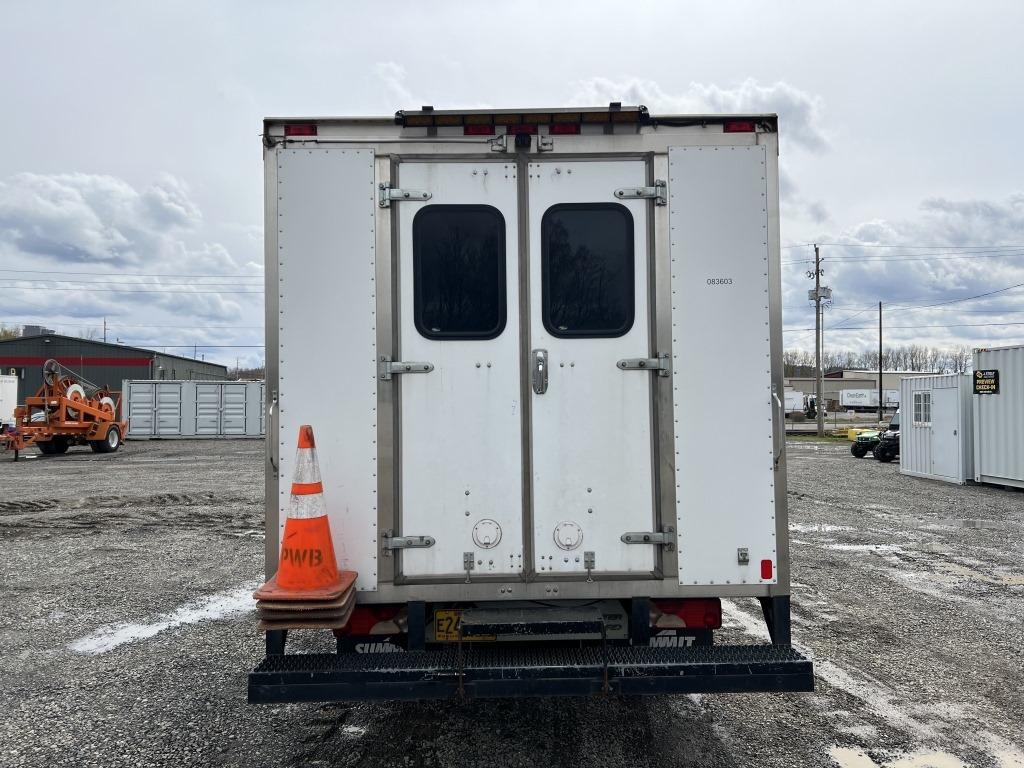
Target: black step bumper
(506, 672)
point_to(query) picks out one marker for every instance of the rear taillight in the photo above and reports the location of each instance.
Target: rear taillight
(766, 569)
(375, 620)
(564, 128)
(300, 129)
(521, 128)
(739, 126)
(478, 130)
(691, 613)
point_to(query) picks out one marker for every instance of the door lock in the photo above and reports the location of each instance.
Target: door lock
(540, 371)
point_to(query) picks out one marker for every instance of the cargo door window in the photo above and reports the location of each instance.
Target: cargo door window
(459, 272)
(922, 409)
(587, 270)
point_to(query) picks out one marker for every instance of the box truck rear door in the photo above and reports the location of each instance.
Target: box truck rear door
(591, 420)
(460, 437)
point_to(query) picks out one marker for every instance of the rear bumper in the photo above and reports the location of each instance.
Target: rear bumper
(508, 672)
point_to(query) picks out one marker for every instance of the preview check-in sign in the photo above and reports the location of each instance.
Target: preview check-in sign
(986, 382)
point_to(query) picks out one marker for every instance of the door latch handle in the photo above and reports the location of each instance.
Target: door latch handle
(540, 371)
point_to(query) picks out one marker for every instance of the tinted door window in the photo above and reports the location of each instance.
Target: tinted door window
(459, 271)
(587, 262)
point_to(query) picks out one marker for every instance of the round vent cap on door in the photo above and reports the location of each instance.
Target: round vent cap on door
(487, 534)
(568, 535)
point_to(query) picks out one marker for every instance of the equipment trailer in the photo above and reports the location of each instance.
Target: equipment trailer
(67, 410)
(524, 315)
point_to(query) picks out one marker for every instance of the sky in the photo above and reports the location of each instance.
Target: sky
(131, 176)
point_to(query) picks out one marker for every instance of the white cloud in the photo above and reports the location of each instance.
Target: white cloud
(393, 75)
(800, 113)
(931, 264)
(77, 248)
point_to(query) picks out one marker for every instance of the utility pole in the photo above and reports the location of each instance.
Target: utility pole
(816, 295)
(880, 415)
(819, 385)
(104, 330)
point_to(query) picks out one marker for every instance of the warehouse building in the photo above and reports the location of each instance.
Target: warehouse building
(97, 361)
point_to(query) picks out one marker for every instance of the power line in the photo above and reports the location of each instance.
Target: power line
(127, 274)
(115, 290)
(85, 284)
(909, 327)
(139, 325)
(957, 301)
(903, 245)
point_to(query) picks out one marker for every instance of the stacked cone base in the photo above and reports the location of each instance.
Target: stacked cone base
(326, 608)
(308, 615)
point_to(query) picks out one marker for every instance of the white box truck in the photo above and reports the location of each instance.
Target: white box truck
(794, 401)
(505, 327)
(8, 398)
(867, 399)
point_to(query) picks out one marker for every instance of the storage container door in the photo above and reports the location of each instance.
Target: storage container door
(945, 417)
(168, 410)
(460, 422)
(591, 413)
(141, 409)
(208, 409)
(233, 409)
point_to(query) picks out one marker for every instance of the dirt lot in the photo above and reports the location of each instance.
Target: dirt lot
(127, 632)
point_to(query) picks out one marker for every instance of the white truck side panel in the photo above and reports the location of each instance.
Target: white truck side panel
(326, 207)
(725, 483)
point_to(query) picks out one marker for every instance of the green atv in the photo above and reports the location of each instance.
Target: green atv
(865, 443)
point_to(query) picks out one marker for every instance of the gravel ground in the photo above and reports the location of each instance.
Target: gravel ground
(127, 633)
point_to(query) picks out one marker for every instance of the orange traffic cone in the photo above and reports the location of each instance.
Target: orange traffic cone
(307, 569)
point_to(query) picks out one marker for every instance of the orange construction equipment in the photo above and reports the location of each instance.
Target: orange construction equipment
(307, 569)
(67, 410)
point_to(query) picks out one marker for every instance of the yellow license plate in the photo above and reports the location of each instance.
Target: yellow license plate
(446, 627)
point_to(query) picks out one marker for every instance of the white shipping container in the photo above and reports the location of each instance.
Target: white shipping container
(999, 418)
(8, 398)
(169, 409)
(936, 438)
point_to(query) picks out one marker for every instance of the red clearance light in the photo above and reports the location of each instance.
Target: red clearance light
(300, 129)
(564, 128)
(514, 129)
(766, 569)
(696, 612)
(739, 126)
(478, 130)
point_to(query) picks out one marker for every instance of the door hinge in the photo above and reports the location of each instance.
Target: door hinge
(468, 563)
(387, 368)
(391, 542)
(666, 538)
(661, 364)
(386, 194)
(658, 193)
